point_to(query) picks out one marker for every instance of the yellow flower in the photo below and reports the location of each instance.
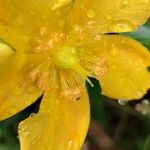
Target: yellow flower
(55, 46)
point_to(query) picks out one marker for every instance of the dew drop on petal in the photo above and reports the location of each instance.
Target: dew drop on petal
(113, 50)
(137, 63)
(17, 90)
(122, 102)
(61, 1)
(32, 115)
(91, 13)
(72, 145)
(124, 3)
(139, 94)
(108, 16)
(2, 107)
(121, 26)
(12, 110)
(137, 3)
(23, 131)
(122, 80)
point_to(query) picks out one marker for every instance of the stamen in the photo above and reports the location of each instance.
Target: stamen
(100, 68)
(84, 73)
(71, 94)
(43, 82)
(71, 85)
(66, 58)
(97, 66)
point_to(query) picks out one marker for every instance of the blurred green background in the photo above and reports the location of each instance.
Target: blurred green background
(113, 126)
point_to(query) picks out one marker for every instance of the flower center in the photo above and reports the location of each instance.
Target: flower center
(67, 58)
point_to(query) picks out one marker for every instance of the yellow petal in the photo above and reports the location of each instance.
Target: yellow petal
(10, 62)
(23, 24)
(120, 64)
(110, 16)
(17, 89)
(60, 125)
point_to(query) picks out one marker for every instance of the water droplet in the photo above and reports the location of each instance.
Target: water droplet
(137, 3)
(30, 88)
(121, 26)
(136, 63)
(27, 102)
(72, 145)
(113, 66)
(12, 110)
(122, 80)
(23, 131)
(91, 13)
(104, 43)
(5, 52)
(61, 22)
(61, 1)
(139, 94)
(32, 115)
(124, 3)
(2, 107)
(98, 37)
(17, 90)
(108, 16)
(113, 50)
(122, 101)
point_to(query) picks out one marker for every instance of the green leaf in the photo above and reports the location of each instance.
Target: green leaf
(147, 143)
(142, 34)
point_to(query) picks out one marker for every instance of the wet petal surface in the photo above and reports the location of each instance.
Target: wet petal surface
(120, 64)
(60, 124)
(24, 24)
(110, 16)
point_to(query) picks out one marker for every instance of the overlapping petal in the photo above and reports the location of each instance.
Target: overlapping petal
(24, 24)
(60, 124)
(110, 16)
(120, 64)
(17, 90)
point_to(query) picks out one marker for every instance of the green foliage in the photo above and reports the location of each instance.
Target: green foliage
(142, 34)
(147, 143)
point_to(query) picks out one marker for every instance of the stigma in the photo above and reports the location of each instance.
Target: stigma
(67, 58)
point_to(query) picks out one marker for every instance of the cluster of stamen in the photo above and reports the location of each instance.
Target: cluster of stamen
(69, 74)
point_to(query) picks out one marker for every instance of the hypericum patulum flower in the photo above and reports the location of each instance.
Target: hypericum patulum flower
(51, 47)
